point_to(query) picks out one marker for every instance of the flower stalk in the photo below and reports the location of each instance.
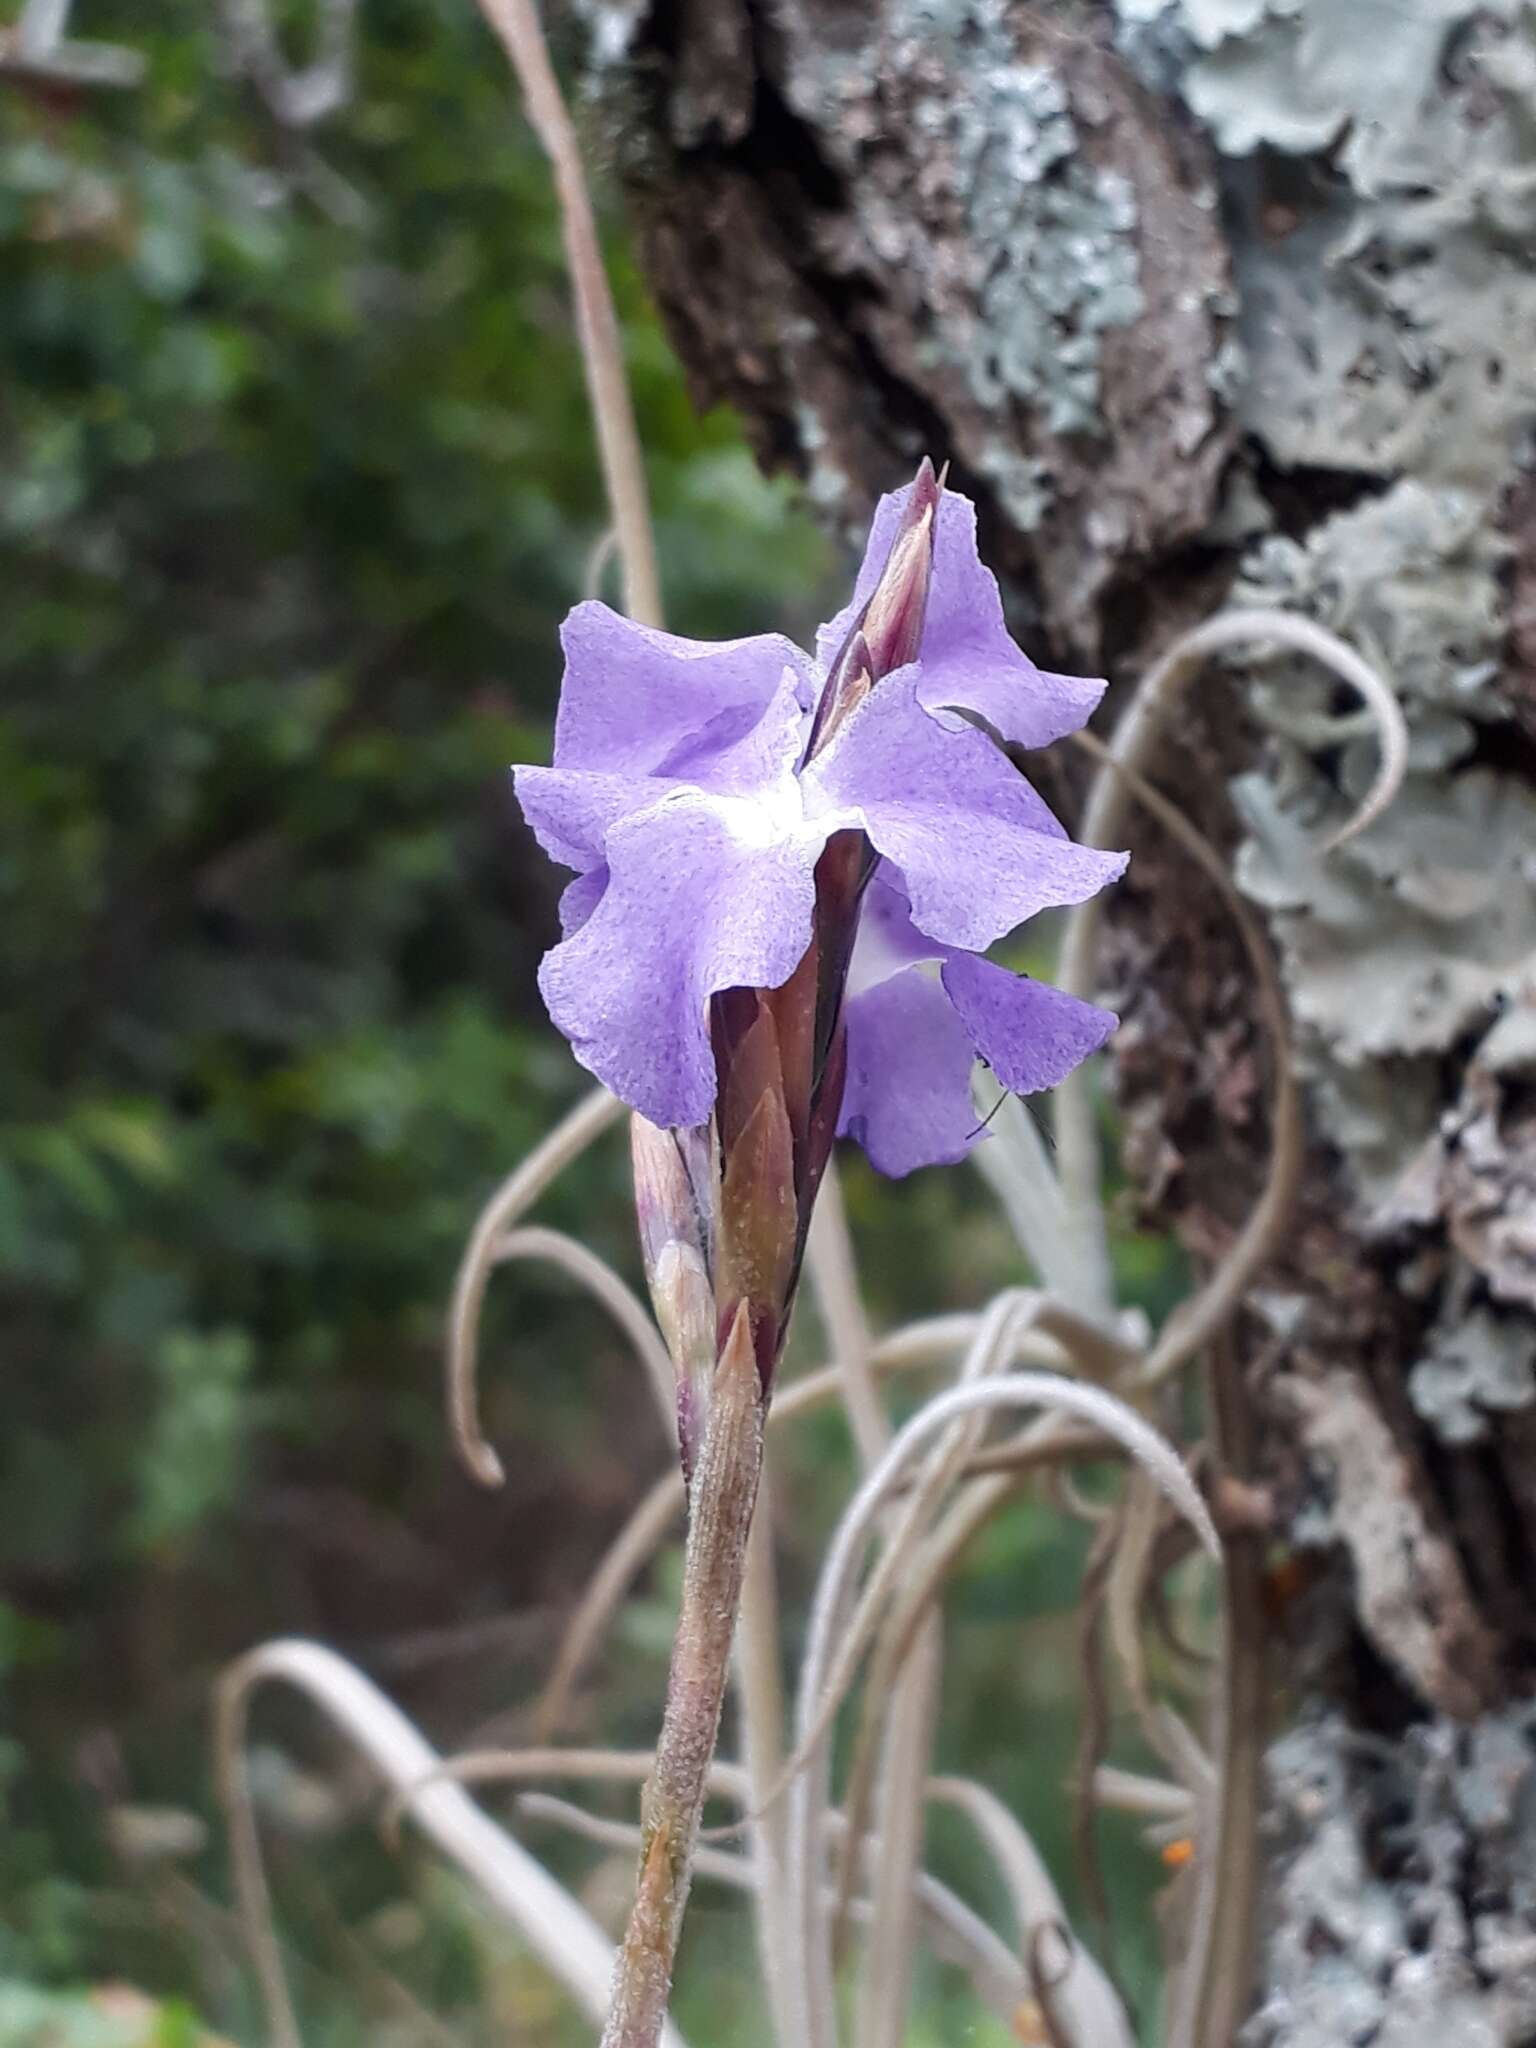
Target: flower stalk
(723, 1495)
(724, 1211)
(788, 871)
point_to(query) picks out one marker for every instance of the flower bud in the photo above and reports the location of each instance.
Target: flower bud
(889, 630)
(893, 619)
(849, 682)
(674, 1178)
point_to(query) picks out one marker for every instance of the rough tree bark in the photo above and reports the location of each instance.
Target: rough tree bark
(1204, 299)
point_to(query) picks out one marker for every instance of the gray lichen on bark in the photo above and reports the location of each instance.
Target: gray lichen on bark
(1380, 305)
(941, 216)
(1210, 299)
(1407, 1909)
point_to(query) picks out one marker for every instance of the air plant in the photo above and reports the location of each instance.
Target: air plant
(787, 873)
(771, 853)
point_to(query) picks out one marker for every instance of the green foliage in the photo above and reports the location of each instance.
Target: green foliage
(290, 502)
(30, 2018)
(191, 1462)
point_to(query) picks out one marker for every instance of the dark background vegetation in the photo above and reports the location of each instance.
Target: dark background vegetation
(295, 483)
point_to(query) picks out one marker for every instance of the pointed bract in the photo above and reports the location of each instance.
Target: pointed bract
(893, 622)
(674, 1211)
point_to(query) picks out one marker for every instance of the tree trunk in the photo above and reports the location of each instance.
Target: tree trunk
(1201, 300)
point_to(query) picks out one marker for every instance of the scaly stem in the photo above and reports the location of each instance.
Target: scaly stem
(723, 1495)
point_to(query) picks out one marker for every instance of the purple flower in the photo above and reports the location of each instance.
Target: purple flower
(695, 787)
(914, 1037)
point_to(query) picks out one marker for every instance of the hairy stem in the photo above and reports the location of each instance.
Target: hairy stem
(723, 1495)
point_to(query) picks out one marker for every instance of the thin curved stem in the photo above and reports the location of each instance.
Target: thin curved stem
(519, 1191)
(905, 1706)
(910, 1349)
(606, 1287)
(961, 1934)
(1210, 1993)
(828, 1617)
(1104, 820)
(956, 1931)
(516, 23)
(909, 1709)
(1125, 1585)
(914, 1672)
(834, 1279)
(1089, 2002)
(1051, 1439)
(1002, 1335)
(1049, 1443)
(899, 1806)
(1152, 1798)
(1196, 1321)
(555, 1927)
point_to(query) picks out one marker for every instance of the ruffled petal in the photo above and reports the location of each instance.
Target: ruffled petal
(571, 812)
(887, 940)
(907, 1100)
(1030, 1034)
(636, 701)
(699, 898)
(578, 902)
(979, 850)
(968, 657)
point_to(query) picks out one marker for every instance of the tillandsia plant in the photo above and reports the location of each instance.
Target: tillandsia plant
(788, 873)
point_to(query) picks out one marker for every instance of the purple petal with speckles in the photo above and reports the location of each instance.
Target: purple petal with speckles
(578, 902)
(1030, 1034)
(573, 810)
(979, 850)
(635, 701)
(887, 938)
(908, 1096)
(968, 657)
(690, 908)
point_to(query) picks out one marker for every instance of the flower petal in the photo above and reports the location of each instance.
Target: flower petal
(1030, 1034)
(571, 811)
(968, 657)
(979, 850)
(887, 939)
(636, 701)
(907, 1100)
(693, 905)
(581, 898)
